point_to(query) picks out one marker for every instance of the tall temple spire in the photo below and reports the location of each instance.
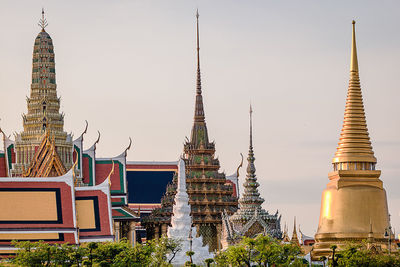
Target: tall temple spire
(354, 145)
(199, 130)
(199, 109)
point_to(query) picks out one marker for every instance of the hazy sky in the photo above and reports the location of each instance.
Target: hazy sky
(128, 67)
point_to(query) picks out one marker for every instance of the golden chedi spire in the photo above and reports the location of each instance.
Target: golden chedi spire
(354, 145)
(354, 204)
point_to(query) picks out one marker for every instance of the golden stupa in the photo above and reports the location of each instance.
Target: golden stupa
(354, 198)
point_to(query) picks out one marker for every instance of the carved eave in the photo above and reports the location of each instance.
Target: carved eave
(93, 147)
(80, 138)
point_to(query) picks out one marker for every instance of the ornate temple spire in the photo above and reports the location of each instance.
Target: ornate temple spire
(199, 109)
(250, 201)
(251, 196)
(199, 130)
(43, 104)
(354, 145)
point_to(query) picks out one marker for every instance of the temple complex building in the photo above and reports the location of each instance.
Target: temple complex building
(354, 205)
(250, 219)
(210, 192)
(52, 189)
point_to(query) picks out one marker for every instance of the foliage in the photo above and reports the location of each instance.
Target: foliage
(120, 254)
(356, 254)
(259, 251)
(263, 251)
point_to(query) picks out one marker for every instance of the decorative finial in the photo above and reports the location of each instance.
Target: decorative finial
(43, 22)
(86, 127)
(129, 146)
(354, 60)
(98, 137)
(237, 175)
(73, 170)
(198, 42)
(199, 109)
(111, 173)
(251, 125)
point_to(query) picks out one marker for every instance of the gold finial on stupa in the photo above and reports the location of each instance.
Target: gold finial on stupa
(354, 145)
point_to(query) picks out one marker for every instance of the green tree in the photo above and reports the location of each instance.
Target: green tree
(63, 255)
(140, 255)
(33, 253)
(263, 250)
(106, 252)
(268, 250)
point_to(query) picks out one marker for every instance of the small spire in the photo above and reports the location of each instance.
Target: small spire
(43, 22)
(354, 61)
(295, 239)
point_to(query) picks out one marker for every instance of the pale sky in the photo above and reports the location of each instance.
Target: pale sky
(128, 67)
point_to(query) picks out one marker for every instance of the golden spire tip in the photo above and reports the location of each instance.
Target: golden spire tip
(354, 60)
(353, 22)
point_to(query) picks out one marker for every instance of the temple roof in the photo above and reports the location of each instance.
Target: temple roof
(46, 161)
